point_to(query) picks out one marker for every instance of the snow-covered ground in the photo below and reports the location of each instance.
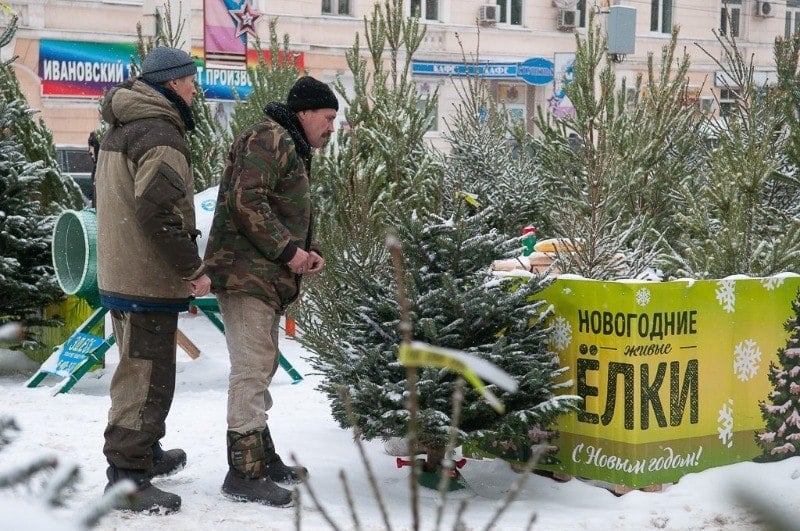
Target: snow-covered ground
(70, 426)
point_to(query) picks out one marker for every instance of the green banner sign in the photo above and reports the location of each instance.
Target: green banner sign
(671, 373)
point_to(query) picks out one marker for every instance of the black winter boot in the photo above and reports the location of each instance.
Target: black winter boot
(147, 498)
(276, 469)
(166, 462)
(246, 479)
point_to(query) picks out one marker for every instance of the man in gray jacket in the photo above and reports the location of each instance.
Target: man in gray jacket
(148, 263)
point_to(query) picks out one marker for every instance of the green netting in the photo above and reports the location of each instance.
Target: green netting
(75, 254)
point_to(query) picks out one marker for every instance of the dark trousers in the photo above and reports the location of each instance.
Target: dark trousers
(142, 386)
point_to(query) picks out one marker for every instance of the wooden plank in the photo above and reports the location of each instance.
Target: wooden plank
(619, 490)
(187, 345)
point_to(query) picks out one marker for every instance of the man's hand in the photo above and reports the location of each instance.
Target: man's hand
(299, 263)
(201, 286)
(315, 263)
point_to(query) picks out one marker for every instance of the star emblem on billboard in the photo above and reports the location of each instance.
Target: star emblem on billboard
(245, 18)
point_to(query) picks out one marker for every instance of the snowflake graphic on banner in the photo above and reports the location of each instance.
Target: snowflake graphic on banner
(643, 297)
(561, 333)
(725, 419)
(726, 295)
(770, 283)
(746, 358)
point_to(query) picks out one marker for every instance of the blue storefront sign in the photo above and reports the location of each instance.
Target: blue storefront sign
(534, 71)
(485, 70)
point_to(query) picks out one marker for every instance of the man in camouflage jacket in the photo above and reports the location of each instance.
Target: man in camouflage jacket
(259, 248)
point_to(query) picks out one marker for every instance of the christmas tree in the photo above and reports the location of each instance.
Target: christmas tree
(489, 161)
(741, 215)
(456, 303)
(781, 412)
(27, 279)
(54, 191)
(609, 168)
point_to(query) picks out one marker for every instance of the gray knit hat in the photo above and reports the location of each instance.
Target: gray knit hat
(310, 94)
(163, 64)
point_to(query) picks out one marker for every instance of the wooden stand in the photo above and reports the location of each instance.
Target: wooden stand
(617, 489)
(186, 344)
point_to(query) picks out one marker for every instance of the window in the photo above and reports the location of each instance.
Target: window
(727, 101)
(661, 16)
(510, 12)
(512, 98)
(792, 18)
(583, 15)
(729, 17)
(426, 89)
(76, 162)
(426, 9)
(336, 7)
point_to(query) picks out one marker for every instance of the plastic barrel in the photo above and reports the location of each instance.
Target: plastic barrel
(75, 254)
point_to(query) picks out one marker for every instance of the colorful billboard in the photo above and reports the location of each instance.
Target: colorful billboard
(77, 69)
(82, 69)
(671, 373)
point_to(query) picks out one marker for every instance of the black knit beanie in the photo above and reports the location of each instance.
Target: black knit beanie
(310, 94)
(164, 63)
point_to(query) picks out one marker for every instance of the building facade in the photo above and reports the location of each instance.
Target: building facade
(70, 51)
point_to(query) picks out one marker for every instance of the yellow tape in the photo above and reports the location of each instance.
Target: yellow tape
(418, 356)
(471, 199)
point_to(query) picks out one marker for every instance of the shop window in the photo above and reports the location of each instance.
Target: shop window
(510, 12)
(661, 16)
(336, 7)
(729, 17)
(425, 9)
(512, 98)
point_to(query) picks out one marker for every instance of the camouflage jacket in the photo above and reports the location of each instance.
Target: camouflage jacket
(263, 211)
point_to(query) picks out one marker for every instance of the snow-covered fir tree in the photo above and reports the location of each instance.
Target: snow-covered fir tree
(55, 190)
(486, 160)
(456, 303)
(781, 411)
(609, 168)
(741, 214)
(27, 278)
